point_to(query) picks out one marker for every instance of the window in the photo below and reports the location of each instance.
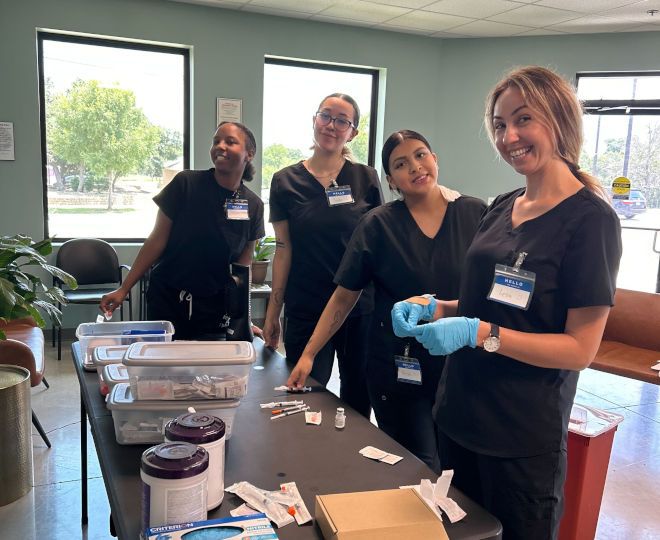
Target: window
(292, 93)
(622, 138)
(114, 123)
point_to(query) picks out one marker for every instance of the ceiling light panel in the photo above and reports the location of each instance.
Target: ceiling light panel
(433, 22)
(308, 6)
(586, 6)
(363, 11)
(490, 29)
(535, 16)
(593, 24)
(476, 9)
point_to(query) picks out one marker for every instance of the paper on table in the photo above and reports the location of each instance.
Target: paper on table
(380, 455)
(313, 417)
(435, 495)
(243, 510)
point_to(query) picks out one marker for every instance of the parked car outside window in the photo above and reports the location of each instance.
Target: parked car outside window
(634, 205)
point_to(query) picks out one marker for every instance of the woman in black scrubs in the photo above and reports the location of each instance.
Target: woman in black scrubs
(315, 205)
(539, 281)
(206, 220)
(417, 243)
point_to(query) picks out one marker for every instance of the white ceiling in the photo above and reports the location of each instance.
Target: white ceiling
(465, 18)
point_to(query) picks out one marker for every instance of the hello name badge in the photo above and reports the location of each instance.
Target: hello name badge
(237, 209)
(408, 369)
(513, 286)
(338, 195)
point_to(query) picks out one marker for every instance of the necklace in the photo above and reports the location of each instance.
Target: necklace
(332, 175)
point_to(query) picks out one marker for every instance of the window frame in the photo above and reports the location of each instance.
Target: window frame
(619, 107)
(327, 66)
(117, 44)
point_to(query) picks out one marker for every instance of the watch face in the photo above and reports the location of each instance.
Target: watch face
(491, 343)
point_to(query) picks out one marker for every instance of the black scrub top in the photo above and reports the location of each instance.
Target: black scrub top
(319, 232)
(493, 404)
(203, 242)
(389, 248)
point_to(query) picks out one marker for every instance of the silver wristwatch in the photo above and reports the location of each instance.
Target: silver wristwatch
(492, 342)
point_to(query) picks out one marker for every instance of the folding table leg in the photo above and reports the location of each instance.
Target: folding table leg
(83, 458)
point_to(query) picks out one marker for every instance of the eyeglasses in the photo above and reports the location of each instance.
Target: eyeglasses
(341, 124)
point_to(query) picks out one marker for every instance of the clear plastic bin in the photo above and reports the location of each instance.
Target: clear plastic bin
(114, 374)
(92, 335)
(189, 370)
(106, 355)
(143, 422)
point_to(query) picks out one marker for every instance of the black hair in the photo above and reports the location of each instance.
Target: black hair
(395, 140)
(250, 145)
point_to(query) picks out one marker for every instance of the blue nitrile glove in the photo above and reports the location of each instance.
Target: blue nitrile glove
(406, 315)
(445, 336)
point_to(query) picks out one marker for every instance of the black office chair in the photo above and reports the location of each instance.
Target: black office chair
(92, 262)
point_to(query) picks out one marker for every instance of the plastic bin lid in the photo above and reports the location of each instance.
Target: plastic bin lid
(115, 374)
(591, 422)
(123, 328)
(109, 354)
(121, 399)
(190, 353)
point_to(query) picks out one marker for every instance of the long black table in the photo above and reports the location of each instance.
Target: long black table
(266, 453)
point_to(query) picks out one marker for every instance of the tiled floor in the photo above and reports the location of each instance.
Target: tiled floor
(630, 509)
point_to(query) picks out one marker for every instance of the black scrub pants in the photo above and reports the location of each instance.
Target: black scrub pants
(194, 317)
(525, 493)
(350, 345)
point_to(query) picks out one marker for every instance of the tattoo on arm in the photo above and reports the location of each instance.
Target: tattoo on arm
(280, 244)
(278, 296)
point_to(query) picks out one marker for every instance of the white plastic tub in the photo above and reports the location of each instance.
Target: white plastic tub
(106, 355)
(189, 370)
(92, 335)
(143, 422)
(114, 374)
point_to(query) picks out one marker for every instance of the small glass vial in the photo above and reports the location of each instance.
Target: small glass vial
(340, 418)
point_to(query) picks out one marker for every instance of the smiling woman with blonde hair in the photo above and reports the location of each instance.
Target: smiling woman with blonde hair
(538, 284)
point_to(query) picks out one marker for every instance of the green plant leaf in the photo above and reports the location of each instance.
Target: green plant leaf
(61, 275)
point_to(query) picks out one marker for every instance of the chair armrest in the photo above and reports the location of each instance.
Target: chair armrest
(17, 353)
(125, 267)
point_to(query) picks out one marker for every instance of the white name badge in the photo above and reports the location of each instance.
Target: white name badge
(512, 287)
(338, 195)
(237, 209)
(408, 370)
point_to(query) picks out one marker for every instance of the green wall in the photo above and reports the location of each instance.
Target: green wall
(434, 86)
(468, 70)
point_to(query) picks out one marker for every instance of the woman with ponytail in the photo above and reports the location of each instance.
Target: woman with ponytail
(538, 284)
(207, 219)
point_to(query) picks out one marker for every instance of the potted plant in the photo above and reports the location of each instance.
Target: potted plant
(263, 251)
(23, 294)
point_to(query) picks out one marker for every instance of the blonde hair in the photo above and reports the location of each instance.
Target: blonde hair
(556, 101)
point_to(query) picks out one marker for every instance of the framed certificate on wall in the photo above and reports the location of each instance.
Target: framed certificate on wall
(229, 110)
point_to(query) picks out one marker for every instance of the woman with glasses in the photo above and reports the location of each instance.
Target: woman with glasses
(314, 206)
(415, 243)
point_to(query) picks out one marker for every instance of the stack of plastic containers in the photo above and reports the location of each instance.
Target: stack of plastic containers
(105, 343)
(166, 379)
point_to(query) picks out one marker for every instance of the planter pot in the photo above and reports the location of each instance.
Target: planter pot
(259, 271)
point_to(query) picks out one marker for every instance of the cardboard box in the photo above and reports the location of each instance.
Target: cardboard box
(393, 514)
